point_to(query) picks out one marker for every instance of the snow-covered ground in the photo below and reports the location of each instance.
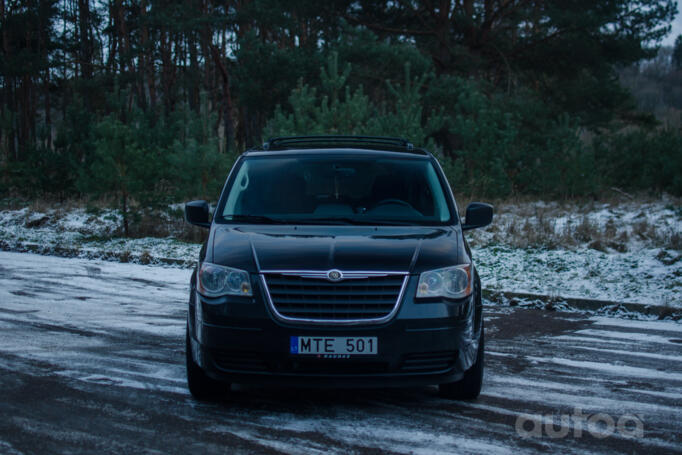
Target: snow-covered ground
(630, 277)
(605, 226)
(625, 252)
(78, 233)
(92, 361)
(100, 295)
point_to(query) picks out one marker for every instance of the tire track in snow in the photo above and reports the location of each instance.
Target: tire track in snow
(101, 357)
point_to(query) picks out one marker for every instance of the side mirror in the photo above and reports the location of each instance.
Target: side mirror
(478, 215)
(196, 213)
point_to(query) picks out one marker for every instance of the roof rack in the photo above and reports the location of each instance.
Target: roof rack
(379, 142)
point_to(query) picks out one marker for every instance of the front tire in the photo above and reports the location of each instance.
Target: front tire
(200, 385)
(469, 387)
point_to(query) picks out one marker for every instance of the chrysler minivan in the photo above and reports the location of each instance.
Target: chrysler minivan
(336, 261)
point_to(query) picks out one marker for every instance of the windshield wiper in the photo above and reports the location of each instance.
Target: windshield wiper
(332, 220)
(348, 220)
(262, 219)
(258, 219)
(387, 222)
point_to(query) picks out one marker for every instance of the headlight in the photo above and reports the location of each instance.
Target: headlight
(217, 280)
(452, 282)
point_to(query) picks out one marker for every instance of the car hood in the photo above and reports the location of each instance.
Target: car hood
(386, 248)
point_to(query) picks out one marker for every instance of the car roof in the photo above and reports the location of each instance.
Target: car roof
(339, 145)
(359, 152)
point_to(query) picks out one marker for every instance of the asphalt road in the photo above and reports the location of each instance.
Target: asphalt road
(92, 361)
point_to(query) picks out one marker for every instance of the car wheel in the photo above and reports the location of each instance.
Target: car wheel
(200, 385)
(469, 387)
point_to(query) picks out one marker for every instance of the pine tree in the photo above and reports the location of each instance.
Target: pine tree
(122, 168)
(337, 109)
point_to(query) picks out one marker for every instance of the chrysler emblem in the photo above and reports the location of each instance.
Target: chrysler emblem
(334, 275)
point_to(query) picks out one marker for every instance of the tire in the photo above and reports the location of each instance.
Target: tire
(469, 387)
(200, 385)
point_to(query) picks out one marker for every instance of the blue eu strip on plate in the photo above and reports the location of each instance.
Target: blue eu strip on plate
(293, 345)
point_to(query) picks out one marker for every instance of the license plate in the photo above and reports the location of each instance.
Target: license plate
(334, 345)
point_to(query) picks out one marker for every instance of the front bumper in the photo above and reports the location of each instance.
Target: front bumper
(238, 340)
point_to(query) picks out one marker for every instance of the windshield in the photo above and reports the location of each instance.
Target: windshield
(335, 190)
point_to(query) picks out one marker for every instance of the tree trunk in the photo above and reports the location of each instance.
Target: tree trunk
(124, 203)
(86, 48)
(147, 76)
(5, 134)
(122, 32)
(226, 105)
(167, 70)
(193, 74)
(48, 117)
(113, 38)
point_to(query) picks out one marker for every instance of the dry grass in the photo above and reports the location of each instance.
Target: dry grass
(166, 224)
(605, 226)
(145, 257)
(669, 311)
(125, 256)
(669, 239)
(519, 222)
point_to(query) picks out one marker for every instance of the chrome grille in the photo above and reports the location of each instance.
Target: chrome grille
(360, 297)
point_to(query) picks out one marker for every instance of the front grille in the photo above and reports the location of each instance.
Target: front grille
(361, 298)
(429, 361)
